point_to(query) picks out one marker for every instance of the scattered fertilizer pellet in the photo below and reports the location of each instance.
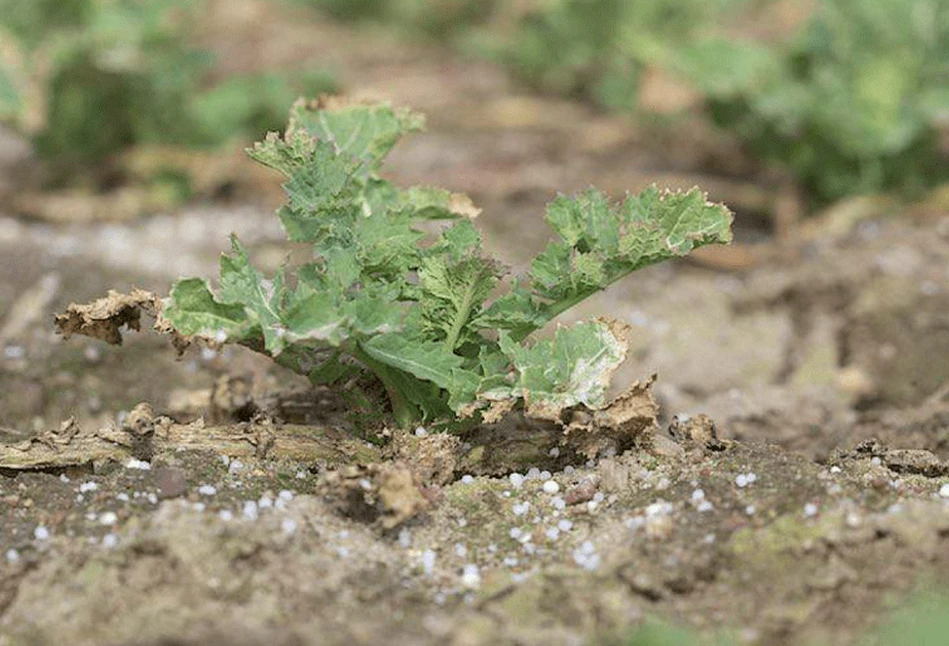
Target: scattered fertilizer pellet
(301, 475)
(12, 555)
(207, 490)
(467, 479)
(517, 480)
(199, 507)
(141, 465)
(41, 533)
(63, 477)
(288, 526)
(698, 495)
(226, 459)
(520, 509)
(876, 461)
(109, 518)
(835, 469)
(558, 503)
(265, 502)
(564, 525)
(554, 452)
(544, 475)
(551, 487)
(750, 510)
(110, 540)
(405, 538)
(810, 510)
(152, 498)
(235, 467)
(944, 491)
(86, 487)
(226, 515)
(420, 431)
(552, 533)
(569, 470)
(704, 506)
(515, 533)
(123, 497)
(286, 495)
(533, 473)
(745, 479)
(586, 557)
(460, 550)
(250, 510)
(428, 562)
(510, 561)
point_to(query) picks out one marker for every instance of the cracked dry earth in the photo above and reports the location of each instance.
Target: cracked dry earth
(796, 490)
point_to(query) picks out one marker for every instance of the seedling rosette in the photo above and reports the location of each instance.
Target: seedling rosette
(437, 322)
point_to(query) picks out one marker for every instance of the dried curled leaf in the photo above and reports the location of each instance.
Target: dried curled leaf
(104, 318)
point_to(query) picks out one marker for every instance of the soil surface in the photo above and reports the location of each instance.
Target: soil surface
(797, 489)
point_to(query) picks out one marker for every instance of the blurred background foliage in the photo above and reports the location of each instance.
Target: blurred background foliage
(847, 96)
(89, 78)
(850, 96)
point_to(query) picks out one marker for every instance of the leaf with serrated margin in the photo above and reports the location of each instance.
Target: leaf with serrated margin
(365, 132)
(242, 283)
(574, 367)
(193, 311)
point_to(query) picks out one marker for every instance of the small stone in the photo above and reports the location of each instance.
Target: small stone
(551, 487)
(171, 482)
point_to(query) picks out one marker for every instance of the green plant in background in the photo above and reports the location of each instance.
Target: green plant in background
(431, 18)
(598, 49)
(430, 316)
(117, 73)
(852, 105)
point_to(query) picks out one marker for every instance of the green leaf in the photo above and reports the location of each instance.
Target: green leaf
(601, 243)
(364, 132)
(193, 310)
(241, 283)
(574, 367)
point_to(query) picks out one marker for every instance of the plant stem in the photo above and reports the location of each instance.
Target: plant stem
(405, 412)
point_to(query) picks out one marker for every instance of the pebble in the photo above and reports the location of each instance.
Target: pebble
(171, 482)
(551, 487)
